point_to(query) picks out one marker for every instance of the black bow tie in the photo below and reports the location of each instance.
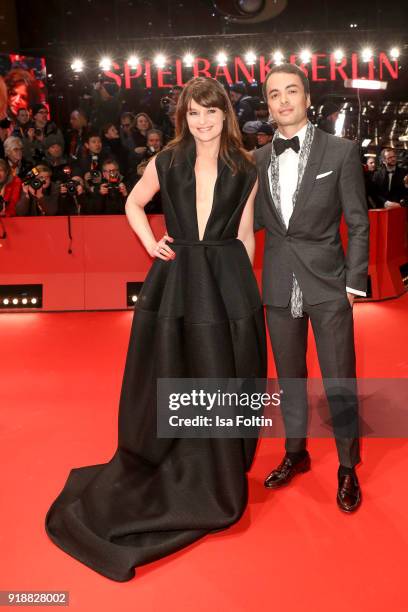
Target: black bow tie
(281, 144)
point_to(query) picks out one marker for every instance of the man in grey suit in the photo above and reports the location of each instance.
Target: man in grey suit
(307, 180)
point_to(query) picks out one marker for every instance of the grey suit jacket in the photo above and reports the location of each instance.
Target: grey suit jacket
(311, 247)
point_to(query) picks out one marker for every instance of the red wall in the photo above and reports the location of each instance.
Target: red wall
(106, 254)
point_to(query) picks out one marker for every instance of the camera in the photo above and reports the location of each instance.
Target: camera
(33, 180)
(114, 180)
(70, 183)
(95, 175)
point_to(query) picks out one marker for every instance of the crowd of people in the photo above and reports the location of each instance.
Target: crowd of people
(90, 167)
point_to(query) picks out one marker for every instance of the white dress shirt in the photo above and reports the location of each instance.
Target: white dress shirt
(288, 177)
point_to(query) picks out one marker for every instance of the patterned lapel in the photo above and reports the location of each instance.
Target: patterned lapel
(264, 175)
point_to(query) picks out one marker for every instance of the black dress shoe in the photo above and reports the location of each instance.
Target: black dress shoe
(348, 493)
(286, 470)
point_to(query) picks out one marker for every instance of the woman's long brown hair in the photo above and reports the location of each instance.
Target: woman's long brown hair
(211, 94)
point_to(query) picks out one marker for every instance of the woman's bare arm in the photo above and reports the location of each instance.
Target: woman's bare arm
(140, 195)
(246, 226)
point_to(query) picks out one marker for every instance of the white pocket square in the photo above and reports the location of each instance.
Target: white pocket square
(319, 176)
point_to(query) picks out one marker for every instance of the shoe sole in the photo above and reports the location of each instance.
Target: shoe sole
(284, 484)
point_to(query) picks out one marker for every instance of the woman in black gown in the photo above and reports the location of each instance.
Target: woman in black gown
(199, 314)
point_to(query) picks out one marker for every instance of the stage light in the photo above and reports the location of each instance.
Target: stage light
(367, 54)
(132, 291)
(365, 84)
(338, 55)
(18, 296)
(250, 58)
(305, 56)
(394, 53)
(277, 57)
(105, 63)
(133, 61)
(77, 65)
(221, 58)
(188, 60)
(353, 25)
(33, 300)
(160, 60)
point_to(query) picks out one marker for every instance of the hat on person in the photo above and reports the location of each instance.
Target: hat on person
(51, 140)
(265, 128)
(257, 127)
(37, 107)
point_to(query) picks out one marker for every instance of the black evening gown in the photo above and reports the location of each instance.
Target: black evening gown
(199, 315)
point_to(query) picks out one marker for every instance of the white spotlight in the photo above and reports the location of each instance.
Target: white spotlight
(105, 63)
(133, 61)
(188, 60)
(305, 56)
(367, 54)
(395, 53)
(77, 65)
(277, 57)
(15, 301)
(160, 60)
(5, 301)
(24, 300)
(134, 298)
(250, 58)
(33, 300)
(338, 55)
(221, 58)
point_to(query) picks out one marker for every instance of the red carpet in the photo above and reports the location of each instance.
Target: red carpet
(292, 551)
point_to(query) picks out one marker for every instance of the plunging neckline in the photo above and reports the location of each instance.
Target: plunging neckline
(212, 202)
(191, 154)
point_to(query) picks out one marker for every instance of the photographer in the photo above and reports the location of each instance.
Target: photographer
(242, 103)
(105, 103)
(34, 140)
(143, 124)
(167, 112)
(39, 196)
(22, 122)
(111, 196)
(154, 142)
(111, 142)
(127, 121)
(390, 181)
(10, 190)
(13, 152)
(90, 164)
(54, 157)
(72, 198)
(75, 136)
